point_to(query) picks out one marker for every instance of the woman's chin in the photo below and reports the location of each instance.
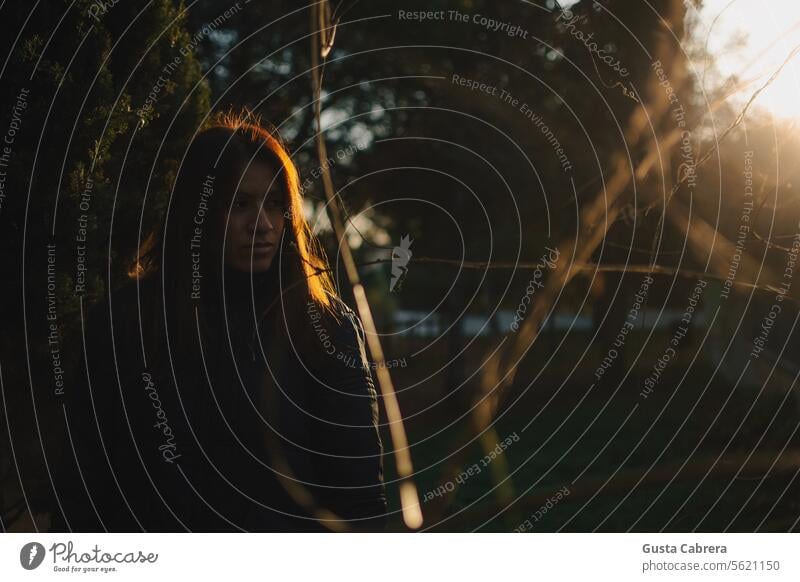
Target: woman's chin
(257, 265)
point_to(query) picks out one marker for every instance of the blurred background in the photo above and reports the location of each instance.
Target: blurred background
(576, 223)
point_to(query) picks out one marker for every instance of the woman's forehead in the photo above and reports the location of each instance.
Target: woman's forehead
(259, 177)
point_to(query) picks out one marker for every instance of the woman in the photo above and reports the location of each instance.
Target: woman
(222, 393)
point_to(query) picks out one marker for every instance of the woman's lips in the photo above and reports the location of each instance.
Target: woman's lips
(259, 247)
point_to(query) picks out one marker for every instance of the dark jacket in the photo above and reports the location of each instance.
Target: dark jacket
(199, 437)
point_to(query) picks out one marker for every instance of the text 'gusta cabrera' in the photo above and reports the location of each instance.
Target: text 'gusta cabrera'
(684, 549)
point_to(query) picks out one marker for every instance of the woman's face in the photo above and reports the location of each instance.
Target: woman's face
(256, 220)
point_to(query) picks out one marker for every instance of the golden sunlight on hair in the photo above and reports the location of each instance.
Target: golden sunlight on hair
(315, 266)
(304, 245)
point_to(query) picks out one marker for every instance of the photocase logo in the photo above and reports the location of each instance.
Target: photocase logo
(401, 254)
(31, 555)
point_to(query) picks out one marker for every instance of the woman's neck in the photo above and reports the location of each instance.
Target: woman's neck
(242, 287)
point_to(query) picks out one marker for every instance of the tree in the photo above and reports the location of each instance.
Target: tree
(88, 90)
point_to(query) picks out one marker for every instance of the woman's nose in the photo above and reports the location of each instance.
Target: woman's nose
(263, 223)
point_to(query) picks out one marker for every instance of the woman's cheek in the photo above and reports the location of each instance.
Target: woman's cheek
(236, 229)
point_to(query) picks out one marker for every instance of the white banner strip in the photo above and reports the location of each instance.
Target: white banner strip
(400, 557)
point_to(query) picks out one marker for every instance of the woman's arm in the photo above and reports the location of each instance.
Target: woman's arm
(350, 466)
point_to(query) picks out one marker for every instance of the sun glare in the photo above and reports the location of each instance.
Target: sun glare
(770, 30)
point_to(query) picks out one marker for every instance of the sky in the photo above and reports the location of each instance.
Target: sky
(770, 30)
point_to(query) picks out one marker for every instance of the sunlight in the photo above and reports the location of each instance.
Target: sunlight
(752, 42)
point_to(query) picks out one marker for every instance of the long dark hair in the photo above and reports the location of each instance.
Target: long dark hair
(203, 191)
(184, 298)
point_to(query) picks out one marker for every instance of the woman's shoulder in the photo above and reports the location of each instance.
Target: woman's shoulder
(337, 336)
(346, 321)
(345, 366)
